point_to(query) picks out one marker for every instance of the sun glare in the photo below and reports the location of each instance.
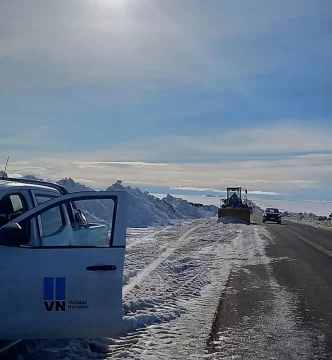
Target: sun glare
(113, 3)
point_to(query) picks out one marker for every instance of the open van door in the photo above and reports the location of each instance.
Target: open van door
(63, 287)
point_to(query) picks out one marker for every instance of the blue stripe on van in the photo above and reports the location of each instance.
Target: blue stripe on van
(60, 288)
(48, 289)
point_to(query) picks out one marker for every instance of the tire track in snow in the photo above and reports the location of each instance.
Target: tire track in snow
(173, 291)
(146, 237)
(143, 253)
(136, 280)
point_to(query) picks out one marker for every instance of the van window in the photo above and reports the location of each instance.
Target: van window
(52, 220)
(12, 206)
(17, 203)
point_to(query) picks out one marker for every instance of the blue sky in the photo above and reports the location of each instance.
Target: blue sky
(186, 94)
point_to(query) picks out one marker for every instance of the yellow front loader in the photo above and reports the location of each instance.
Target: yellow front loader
(235, 206)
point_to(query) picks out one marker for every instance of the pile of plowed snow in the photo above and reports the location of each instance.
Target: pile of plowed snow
(311, 219)
(143, 209)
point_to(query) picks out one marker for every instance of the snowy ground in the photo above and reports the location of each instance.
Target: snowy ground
(174, 279)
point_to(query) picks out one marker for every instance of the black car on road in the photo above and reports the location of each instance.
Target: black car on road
(272, 214)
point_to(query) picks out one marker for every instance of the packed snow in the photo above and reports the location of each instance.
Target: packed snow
(173, 280)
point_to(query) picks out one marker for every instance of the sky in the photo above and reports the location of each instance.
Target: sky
(186, 96)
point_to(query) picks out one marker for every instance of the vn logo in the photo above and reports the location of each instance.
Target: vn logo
(55, 294)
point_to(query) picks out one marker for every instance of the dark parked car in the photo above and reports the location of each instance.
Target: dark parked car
(272, 214)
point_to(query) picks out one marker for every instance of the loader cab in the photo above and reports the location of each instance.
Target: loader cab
(234, 197)
(58, 268)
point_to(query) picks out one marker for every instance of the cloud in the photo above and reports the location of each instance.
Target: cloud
(146, 67)
(271, 160)
(24, 138)
(282, 176)
(258, 192)
(279, 139)
(269, 142)
(89, 42)
(122, 164)
(188, 188)
(256, 143)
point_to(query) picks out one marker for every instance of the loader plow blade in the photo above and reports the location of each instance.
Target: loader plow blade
(240, 213)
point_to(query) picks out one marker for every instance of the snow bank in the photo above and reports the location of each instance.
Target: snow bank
(143, 210)
(206, 200)
(311, 219)
(184, 207)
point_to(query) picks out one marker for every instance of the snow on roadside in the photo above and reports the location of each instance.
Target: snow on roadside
(143, 234)
(177, 299)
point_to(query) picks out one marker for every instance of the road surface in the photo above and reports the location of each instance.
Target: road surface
(281, 309)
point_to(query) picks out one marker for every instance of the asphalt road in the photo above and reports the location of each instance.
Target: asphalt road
(281, 309)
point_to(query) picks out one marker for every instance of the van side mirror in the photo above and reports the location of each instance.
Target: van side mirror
(11, 235)
(80, 217)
